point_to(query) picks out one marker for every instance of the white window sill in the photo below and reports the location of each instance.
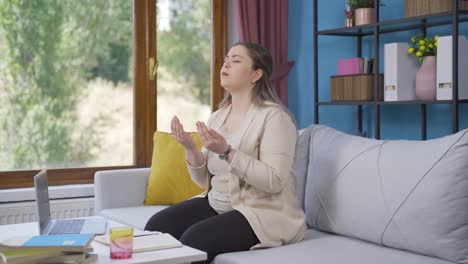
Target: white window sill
(55, 192)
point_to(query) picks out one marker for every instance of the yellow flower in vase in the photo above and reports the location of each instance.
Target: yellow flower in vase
(425, 49)
(422, 46)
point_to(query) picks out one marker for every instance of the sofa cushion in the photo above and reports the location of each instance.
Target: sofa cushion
(132, 216)
(301, 162)
(411, 195)
(324, 248)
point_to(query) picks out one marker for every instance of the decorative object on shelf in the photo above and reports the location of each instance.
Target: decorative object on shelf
(426, 79)
(349, 16)
(425, 50)
(400, 72)
(427, 7)
(417, 8)
(364, 16)
(444, 68)
(364, 12)
(423, 46)
(351, 66)
(359, 87)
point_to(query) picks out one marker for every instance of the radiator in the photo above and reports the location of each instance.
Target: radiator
(23, 212)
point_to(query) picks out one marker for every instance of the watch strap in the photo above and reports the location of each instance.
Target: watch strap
(225, 155)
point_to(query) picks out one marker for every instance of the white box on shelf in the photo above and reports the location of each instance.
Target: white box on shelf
(444, 68)
(399, 73)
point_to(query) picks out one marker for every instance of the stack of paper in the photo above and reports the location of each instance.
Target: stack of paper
(48, 249)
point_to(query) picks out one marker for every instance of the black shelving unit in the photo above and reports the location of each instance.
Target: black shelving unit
(453, 18)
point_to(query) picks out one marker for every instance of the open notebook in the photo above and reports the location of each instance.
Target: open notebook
(147, 242)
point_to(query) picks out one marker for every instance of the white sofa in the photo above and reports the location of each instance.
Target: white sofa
(366, 201)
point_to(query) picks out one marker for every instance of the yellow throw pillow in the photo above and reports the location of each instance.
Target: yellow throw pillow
(169, 181)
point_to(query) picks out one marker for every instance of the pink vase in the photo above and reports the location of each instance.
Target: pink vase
(426, 79)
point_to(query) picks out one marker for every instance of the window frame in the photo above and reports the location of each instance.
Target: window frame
(144, 47)
(220, 46)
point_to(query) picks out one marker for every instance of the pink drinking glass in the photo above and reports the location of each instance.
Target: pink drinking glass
(121, 242)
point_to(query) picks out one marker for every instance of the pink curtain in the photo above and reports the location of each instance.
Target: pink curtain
(266, 22)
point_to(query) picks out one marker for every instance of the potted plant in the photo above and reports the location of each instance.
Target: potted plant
(425, 49)
(364, 12)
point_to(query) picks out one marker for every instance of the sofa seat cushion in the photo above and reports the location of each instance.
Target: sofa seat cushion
(132, 216)
(325, 248)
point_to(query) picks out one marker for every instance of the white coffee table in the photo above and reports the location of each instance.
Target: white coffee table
(180, 255)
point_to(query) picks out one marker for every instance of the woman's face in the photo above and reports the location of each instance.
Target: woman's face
(237, 73)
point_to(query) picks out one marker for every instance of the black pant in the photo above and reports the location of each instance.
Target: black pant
(198, 225)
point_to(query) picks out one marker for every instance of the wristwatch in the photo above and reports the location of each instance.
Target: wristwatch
(225, 155)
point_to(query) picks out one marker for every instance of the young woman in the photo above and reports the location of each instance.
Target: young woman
(244, 166)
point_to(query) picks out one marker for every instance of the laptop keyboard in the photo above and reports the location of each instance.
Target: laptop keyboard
(67, 227)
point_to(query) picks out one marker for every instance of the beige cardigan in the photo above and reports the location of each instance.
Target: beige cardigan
(262, 184)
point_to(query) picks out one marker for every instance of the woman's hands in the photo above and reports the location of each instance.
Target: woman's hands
(181, 136)
(211, 139)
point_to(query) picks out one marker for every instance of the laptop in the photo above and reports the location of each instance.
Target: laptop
(66, 226)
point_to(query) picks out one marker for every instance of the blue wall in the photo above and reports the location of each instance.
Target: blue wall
(397, 121)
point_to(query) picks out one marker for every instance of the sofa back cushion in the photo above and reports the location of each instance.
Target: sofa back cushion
(410, 195)
(170, 182)
(301, 163)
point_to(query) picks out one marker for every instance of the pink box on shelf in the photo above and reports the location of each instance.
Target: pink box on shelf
(350, 66)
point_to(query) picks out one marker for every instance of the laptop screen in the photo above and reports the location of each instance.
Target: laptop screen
(42, 199)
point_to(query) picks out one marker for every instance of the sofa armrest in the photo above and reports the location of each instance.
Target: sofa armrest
(120, 188)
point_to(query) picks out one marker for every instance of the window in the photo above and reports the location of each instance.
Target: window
(184, 55)
(76, 95)
(66, 84)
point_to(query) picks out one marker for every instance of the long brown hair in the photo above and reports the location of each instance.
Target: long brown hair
(263, 90)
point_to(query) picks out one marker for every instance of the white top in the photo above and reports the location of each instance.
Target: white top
(219, 196)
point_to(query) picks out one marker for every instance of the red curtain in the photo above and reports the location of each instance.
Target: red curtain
(266, 22)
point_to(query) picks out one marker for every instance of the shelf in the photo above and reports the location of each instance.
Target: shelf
(347, 103)
(364, 30)
(450, 19)
(415, 102)
(395, 25)
(421, 102)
